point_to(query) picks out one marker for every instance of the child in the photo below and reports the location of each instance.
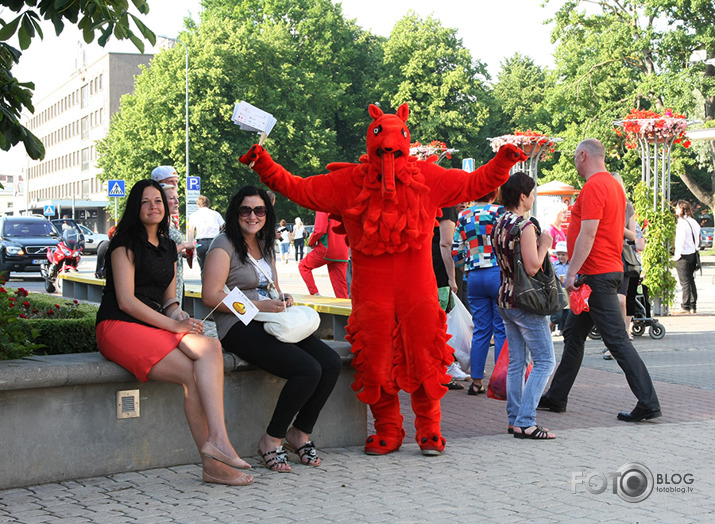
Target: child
(561, 266)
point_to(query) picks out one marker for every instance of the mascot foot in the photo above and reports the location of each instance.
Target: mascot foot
(381, 445)
(432, 446)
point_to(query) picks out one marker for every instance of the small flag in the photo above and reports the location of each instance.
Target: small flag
(240, 305)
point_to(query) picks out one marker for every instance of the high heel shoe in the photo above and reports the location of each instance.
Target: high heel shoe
(241, 480)
(208, 450)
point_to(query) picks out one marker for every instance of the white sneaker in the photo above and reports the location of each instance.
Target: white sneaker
(455, 370)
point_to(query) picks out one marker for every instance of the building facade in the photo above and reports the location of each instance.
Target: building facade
(69, 122)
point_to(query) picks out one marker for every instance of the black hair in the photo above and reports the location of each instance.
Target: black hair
(130, 230)
(517, 184)
(266, 236)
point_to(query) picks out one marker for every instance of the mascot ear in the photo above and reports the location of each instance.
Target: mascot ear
(375, 112)
(403, 112)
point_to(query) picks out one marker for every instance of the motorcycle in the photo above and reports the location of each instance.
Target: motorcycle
(64, 257)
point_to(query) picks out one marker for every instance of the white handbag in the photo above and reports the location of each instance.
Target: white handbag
(293, 324)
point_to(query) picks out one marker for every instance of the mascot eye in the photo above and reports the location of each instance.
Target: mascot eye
(404, 133)
(377, 130)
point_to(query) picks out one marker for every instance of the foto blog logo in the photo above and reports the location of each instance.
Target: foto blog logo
(633, 482)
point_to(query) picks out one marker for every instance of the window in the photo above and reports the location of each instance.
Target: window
(85, 159)
(85, 128)
(85, 96)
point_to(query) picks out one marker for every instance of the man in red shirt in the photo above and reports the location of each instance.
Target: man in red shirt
(595, 240)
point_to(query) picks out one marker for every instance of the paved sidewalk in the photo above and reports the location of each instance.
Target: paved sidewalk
(484, 474)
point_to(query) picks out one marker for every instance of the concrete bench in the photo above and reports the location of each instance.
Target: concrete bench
(334, 312)
(69, 416)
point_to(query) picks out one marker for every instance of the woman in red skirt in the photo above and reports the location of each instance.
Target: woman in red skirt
(141, 327)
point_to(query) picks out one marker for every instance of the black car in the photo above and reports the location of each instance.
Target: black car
(24, 241)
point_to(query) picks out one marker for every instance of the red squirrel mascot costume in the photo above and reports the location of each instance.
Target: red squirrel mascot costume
(388, 204)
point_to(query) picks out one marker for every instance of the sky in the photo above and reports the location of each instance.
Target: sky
(491, 30)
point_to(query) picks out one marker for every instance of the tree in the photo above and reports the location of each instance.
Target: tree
(619, 55)
(308, 67)
(109, 17)
(426, 66)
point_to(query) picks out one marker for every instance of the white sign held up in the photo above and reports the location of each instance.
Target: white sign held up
(250, 118)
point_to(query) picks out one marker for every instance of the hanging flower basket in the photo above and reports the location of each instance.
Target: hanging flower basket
(528, 141)
(425, 151)
(653, 127)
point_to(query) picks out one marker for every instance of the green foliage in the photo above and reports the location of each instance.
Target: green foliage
(300, 61)
(426, 66)
(39, 324)
(16, 338)
(109, 17)
(660, 233)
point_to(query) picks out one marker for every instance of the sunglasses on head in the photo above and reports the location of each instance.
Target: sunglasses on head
(245, 211)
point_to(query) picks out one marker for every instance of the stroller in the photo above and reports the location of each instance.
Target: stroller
(641, 318)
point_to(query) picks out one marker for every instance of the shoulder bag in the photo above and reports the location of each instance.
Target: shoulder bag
(291, 325)
(541, 294)
(698, 265)
(631, 264)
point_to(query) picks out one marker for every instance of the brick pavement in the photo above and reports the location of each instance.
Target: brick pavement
(484, 473)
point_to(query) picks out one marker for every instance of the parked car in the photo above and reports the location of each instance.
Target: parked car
(24, 241)
(706, 237)
(92, 240)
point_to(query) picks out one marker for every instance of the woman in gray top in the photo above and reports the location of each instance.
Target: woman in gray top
(239, 257)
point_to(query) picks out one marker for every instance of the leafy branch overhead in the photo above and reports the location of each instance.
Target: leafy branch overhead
(106, 17)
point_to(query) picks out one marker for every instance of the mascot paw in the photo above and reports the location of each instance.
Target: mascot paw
(382, 445)
(433, 445)
(253, 154)
(512, 153)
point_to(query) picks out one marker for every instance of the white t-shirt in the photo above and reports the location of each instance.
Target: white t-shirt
(687, 237)
(206, 223)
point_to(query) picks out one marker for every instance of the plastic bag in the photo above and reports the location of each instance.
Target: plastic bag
(497, 382)
(460, 326)
(578, 300)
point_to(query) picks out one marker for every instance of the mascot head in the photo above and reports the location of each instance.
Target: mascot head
(388, 145)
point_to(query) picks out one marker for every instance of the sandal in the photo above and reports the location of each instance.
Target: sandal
(539, 433)
(476, 390)
(273, 462)
(306, 453)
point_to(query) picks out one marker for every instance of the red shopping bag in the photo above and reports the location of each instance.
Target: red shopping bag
(497, 382)
(578, 300)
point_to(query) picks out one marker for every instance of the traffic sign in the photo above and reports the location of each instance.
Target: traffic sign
(193, 183)
(115, 188)
(468, 164)
(49, 210)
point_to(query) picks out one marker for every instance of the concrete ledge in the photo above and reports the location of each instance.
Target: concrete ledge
(59, 417)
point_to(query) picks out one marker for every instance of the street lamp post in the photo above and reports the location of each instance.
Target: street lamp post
(187, 97)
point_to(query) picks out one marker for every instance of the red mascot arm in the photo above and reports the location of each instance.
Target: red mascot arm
(319, 229)
(457, 186)
(320, 192)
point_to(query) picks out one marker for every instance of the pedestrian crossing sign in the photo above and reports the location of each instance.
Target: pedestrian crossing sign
(115, 188)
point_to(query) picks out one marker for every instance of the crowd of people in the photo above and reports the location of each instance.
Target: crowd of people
(142, 327)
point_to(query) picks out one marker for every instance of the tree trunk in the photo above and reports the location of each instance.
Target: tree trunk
(704, 197)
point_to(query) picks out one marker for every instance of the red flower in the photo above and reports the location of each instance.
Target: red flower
(76, 301)
(2, 289)
(35, 310)
(21, 292)
(11, 304)
(26, 304)
(50, 313)
(686, 144)
(12, 299)
(23, 316)
(58, 306)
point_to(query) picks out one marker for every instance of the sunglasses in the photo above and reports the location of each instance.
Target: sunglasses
(245, 211)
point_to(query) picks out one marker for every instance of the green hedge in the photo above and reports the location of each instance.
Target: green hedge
(64, 335)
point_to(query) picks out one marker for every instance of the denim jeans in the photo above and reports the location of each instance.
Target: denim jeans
(605, 312)
(483, 290)
(526, 332)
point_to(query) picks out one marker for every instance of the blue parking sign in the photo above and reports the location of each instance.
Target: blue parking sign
(49, 210)
(193, 183)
